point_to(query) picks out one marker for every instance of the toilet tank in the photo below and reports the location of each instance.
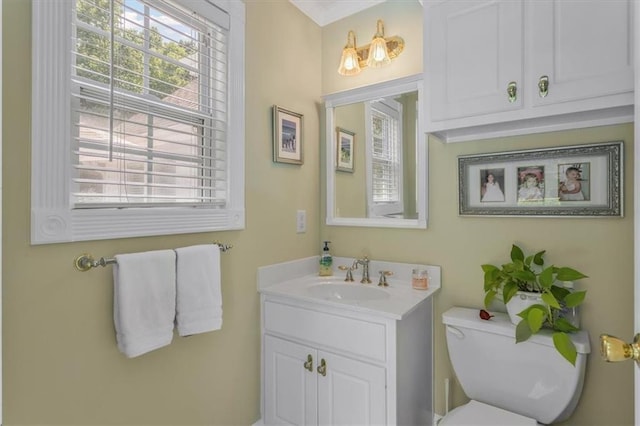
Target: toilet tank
(529, 378)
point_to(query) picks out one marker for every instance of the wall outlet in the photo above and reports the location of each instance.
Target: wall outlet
(301, 221)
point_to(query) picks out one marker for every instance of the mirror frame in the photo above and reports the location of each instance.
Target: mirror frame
(388, 88)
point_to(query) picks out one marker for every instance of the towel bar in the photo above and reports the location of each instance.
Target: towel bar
(85, 261)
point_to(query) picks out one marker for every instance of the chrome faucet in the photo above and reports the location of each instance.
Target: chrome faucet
(365, 269)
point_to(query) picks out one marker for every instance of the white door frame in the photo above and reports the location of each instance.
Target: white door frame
(0, 213)
(636, 201)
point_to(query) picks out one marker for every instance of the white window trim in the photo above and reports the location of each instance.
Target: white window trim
(382, 209)
(52, 218)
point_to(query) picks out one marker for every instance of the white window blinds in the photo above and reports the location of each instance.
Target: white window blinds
(137, 124)
(149, 105)
(386, 151)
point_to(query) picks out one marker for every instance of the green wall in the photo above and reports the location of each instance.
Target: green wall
(351, 193)
(600, 247)
(60, 361)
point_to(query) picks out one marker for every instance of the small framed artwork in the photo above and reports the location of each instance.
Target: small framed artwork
(345, 142)
(287, 136)
(579, 180)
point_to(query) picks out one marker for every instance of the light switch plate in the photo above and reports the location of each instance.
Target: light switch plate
(301, 221)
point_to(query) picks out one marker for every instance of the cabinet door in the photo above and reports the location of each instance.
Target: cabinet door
(290, 388)
(474, 51)
(351, 392)
(584, 47)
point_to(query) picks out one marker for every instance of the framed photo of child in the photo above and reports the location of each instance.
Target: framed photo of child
(573, 182)
(576, 180)
(492, 182)
(530, 184)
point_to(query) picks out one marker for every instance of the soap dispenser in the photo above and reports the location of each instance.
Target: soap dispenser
(326, 261)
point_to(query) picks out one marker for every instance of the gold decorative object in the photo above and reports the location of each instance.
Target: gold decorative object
(322, 368)
(543, 86)
(308, 365)
(614, 349)
(381, 51)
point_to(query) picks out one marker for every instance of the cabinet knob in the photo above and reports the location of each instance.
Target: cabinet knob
(322, 368)
(309, 364)
(543, 86)
(512, 91)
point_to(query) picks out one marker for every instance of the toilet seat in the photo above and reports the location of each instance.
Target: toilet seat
(476, 413)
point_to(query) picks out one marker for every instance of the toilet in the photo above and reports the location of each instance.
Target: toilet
(510, 384)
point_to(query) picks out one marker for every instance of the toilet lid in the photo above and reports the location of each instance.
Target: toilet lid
(477, 413)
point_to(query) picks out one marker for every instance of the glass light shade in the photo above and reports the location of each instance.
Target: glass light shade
(378, 54)
(349, 63)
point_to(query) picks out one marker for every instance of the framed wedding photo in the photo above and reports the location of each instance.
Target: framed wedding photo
(287, 136)
(578, 180)
(345, 141)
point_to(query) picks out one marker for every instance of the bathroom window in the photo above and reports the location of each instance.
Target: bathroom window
(384, 136)
(147, 124)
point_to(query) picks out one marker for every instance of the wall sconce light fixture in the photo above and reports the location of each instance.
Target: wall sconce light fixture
(349, 63)
(379, 52)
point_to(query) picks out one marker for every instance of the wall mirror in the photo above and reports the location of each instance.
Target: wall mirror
(376, 164)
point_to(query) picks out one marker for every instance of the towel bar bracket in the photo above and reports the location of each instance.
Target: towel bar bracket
(224, 247)
(85, 261)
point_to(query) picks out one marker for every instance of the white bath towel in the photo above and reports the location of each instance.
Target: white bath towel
(199, 296)
(144, 300)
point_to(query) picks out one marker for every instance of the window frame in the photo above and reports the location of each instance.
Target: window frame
(53, 218)
(393, 110)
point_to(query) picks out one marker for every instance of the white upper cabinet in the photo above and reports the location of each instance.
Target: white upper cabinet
(584, 47)
(506, 67)
(476, 53)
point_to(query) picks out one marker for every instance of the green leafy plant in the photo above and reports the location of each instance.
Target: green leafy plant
(529, 274)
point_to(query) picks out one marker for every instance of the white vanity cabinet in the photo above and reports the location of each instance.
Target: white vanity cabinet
(306, 386)
(503, 67)
(331, 366)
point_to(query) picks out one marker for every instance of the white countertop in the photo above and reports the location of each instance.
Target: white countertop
(402, 297)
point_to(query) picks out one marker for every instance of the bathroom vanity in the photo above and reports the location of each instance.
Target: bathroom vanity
(346, 353)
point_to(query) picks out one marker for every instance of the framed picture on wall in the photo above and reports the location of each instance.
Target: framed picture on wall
(579, 180)
(344, 150)
(287, 136)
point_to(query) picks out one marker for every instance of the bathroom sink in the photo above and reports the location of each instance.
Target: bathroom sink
(343, 291)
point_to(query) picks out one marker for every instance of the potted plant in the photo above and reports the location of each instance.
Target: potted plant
(528, 274)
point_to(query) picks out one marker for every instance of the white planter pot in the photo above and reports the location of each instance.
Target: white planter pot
(521, 301)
